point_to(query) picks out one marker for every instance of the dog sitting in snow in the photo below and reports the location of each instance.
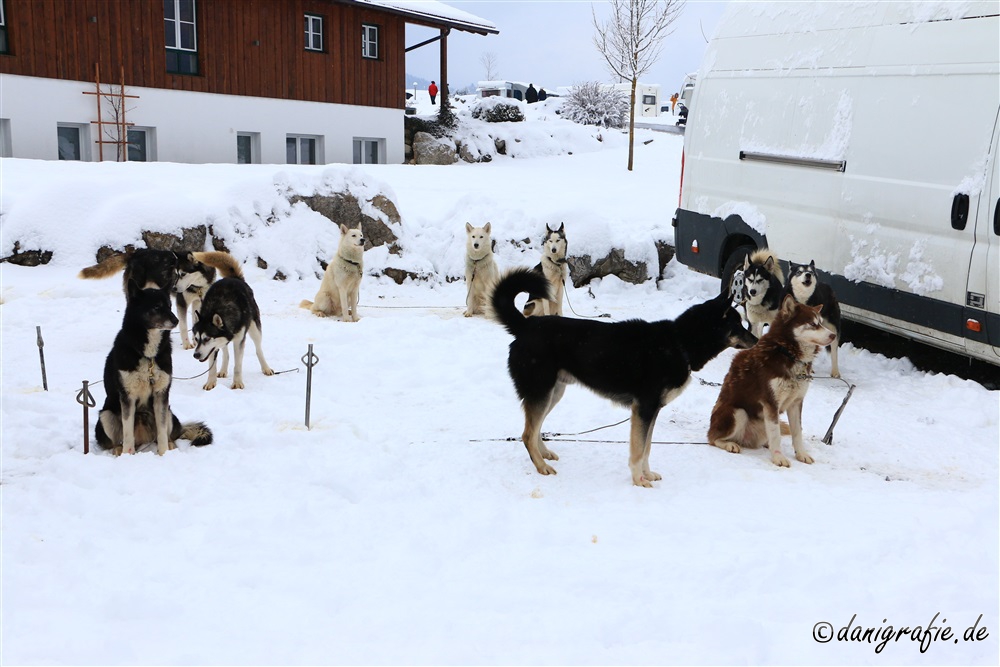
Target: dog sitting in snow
(480, 269)
(341, 284)
(553, 267)
(805, 286)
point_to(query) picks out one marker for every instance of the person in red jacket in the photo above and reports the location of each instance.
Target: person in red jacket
(433, 90)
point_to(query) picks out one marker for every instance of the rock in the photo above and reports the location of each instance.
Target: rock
(501, 146)
(665, 253)
(582, 269)
(192, 239)
(27, 257)
(400, 275)
(344, 209)
(430, 150)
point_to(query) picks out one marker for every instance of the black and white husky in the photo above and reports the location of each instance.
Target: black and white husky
(229, 313)
(196, 271)
(637, 364)
(137, 378)
(805, 286)
(553, 267)
(763, 287)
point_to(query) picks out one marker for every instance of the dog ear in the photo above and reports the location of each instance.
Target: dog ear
(562, 227)
(788, 305)
(132, 289)
(487, 227)
(746, 262)
(812, 264)
(548, 230)
(468, 227)
(343, 228)
(217, 320)
(769, 264)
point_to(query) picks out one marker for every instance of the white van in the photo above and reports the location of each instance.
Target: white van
(862, 136)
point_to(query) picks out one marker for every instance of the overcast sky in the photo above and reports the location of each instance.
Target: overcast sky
(550, 43)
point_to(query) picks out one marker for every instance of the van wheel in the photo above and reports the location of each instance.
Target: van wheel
(733, 262)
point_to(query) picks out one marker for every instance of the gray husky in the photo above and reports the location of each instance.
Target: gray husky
(553, 267)
(229, 313)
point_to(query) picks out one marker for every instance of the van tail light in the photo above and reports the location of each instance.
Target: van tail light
(973, 325)
(680, 189)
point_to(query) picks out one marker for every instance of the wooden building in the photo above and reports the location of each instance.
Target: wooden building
(273, 81)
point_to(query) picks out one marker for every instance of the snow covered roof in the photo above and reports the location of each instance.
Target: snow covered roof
(436, 13)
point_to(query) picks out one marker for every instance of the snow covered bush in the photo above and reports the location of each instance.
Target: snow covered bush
(592, 103)
(497, 110)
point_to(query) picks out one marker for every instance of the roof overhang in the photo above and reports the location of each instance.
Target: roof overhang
(432, 14)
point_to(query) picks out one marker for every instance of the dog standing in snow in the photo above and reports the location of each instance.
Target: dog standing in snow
(480, 268)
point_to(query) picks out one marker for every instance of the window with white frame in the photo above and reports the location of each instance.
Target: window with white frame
(72, 141)
(4, 44)
(369, 41)
(6, 148)
(302, 149)
(141, 144)
(369, 151)
(181, 36)
(314, 32)
(248, 148)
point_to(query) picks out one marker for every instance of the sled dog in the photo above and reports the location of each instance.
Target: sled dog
(196, 271)
(137, 378)
(805, 286)
(229, 313)
(763, 287)
(338, 291)
(638, 364)
(553, 267)
(480, 270)
(768, 379)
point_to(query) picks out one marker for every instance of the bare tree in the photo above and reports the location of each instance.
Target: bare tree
(489, 63)
(631, 40)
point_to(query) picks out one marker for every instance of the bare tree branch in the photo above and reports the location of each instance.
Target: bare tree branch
(489, 62)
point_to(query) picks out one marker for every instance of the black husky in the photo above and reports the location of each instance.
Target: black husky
(804, 284)
(642, 365)
(137, 378)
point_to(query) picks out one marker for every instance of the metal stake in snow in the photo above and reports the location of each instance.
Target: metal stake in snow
(828, 438)
(310, 360)
(86, 399)
(41, 357)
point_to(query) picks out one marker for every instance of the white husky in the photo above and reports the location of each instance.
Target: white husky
(480, 269)
(338, 292)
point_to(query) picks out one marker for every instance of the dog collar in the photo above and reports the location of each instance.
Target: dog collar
(350, 261)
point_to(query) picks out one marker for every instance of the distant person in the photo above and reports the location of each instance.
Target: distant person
(673, 104)
(433, 90)
(531, 95)
(542, 94)
(684, 115)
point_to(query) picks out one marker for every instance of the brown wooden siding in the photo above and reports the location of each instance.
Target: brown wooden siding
(57, 39)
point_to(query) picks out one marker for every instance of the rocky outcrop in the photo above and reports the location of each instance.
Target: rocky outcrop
(428, 149)
(27, 257)
(345, 209)
(583, 269)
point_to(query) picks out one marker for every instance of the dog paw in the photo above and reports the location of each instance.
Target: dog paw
(267, 371)
(188, 345)
(803, 457)
(467, 314)
(210, 385)
(780, 460)
(224, 373)
(642, 481)
(546, 469)
(731, 447)
(550, 455)
(117, 451)
(172, 445)
(835, 374)
(238, 384)
(652, 476)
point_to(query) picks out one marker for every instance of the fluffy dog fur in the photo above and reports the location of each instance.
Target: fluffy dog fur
(637, 364)
(196, 271)
(553, 267)
(137, 378)
(770, 378)
(763, 287)
(338, 291)
(229, 313)
(480, 270)
(804, 284)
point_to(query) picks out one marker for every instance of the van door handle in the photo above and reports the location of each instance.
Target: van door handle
(996, 219)
(959, 211)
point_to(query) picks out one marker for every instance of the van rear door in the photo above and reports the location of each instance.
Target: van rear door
(983, 297)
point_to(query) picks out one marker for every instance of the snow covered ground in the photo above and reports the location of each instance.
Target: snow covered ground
(405, 527)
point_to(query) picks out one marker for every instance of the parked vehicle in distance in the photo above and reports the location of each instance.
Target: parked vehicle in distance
(865, 139)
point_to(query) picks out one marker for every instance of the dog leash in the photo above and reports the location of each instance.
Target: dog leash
(591, 317)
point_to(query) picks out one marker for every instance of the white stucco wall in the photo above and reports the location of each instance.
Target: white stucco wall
(191, 127)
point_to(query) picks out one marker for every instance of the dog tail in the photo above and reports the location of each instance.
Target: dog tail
(108, 267)
(226, 264)
(501, 302)
(761, 256)
(305, 303)
(199, 434)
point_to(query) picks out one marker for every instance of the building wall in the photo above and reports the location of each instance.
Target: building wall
(65, 39)
(190, 126)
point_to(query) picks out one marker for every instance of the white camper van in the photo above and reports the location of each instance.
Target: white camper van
(862, 136)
